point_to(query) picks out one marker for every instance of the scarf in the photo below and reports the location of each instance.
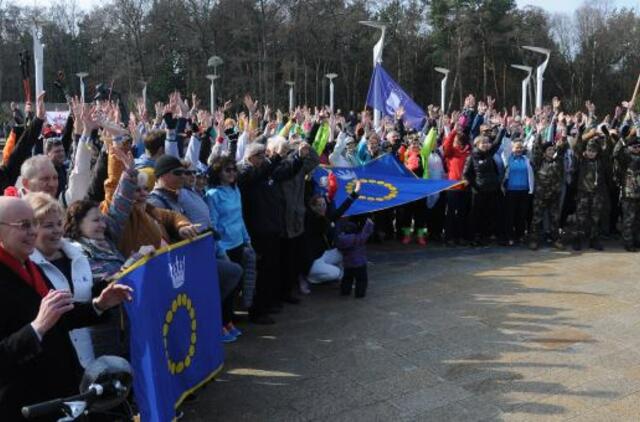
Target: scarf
(28, 272)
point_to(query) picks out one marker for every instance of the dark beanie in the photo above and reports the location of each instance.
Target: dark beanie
(165, 164)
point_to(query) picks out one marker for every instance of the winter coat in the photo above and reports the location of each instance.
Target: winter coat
(81, 285)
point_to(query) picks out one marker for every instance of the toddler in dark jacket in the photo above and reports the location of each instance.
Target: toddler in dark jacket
(351, 241)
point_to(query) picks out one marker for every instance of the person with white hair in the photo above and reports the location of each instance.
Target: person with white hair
(37, 359)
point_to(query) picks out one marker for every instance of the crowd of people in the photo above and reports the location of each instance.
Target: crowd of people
(78, 208)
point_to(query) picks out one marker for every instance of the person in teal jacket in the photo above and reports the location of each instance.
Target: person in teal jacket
(225, 208)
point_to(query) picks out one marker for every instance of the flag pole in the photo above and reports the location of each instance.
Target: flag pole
(377, 57)
(632, 103)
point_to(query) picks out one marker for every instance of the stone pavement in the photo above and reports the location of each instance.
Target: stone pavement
(491, 334)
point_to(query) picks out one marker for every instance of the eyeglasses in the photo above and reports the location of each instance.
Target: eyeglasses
(24, 225)
(178, 172)
(231, 170)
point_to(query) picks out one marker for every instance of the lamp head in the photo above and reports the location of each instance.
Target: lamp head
(442, 70)
(82, 74)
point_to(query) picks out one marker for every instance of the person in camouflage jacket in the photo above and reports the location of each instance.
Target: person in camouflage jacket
(593, 154)
(627, 157)
(548, 163)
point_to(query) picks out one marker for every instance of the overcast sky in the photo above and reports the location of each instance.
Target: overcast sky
(553, 6)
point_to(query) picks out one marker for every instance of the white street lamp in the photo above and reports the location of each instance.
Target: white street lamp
(82, 75)
(377, 56)
(331, 77)
(291, 100)
(214, 62)
(525, 87)
(443, 86)
(539, 71)
(144, 91)
(213, 78)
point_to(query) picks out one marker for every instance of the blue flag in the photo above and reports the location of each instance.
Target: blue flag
(175, 325)
(386, 96)
(384, 183)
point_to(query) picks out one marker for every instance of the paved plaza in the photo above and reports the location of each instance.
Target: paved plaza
(491, 334)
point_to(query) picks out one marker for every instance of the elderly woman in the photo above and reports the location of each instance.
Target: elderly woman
(63, 263)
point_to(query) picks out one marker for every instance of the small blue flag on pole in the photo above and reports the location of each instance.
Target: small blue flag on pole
(385, 183)
(386, 96)
(175, 325)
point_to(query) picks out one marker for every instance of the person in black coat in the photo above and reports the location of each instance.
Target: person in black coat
(481, 172)
(37, 360)
(263, 211)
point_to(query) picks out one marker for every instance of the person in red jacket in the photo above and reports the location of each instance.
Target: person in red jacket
(456, 149)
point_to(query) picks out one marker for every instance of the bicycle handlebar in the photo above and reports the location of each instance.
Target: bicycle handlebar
(51, 406)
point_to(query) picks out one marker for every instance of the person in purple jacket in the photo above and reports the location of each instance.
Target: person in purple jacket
(351, 242)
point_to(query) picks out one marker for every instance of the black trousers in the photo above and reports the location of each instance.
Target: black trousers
(518, 202)
(268, 285)
(290, 259)
(357, 274)
(483, 213)
(415, 212)
(457, 216)
(436, 218)
(235, 255)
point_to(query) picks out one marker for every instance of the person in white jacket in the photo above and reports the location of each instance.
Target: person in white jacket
(344, 152)
(62, 263)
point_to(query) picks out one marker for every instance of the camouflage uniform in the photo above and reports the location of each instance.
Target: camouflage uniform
(592, 186)
(628, 165)
(549, 178)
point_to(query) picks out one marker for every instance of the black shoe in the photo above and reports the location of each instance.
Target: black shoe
(595, 244)
(292, 300)
(629, 247)
(262, 319)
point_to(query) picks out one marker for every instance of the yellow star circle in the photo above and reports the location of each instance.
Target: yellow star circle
(181, 301)
(392, 191)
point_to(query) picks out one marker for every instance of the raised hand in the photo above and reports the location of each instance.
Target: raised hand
(490, 102)
(591, 107)
(400, 112)
(251, 105)
(125, 157)
(555, 103)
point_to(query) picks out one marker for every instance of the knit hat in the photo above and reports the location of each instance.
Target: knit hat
(165, 164)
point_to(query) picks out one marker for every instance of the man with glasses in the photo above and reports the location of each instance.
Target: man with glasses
(37, 359)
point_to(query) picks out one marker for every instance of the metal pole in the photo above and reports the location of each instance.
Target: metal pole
(38, 60)
(331, 77)
(539, 71)
(213, 96)
(443, 86)
(525, 87)
(377, 58)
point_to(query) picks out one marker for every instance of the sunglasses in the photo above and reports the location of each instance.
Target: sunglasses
(24, 225)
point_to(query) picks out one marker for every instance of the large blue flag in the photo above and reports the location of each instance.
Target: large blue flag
(175, 325)
(386, 96)
(385, 182)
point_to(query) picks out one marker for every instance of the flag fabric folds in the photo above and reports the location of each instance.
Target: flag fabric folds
(385, 183)
(175, 325)
(386, 96)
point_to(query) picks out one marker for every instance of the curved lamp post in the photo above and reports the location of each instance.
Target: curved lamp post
(443, 86)
(539, 71)
(525, 86)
